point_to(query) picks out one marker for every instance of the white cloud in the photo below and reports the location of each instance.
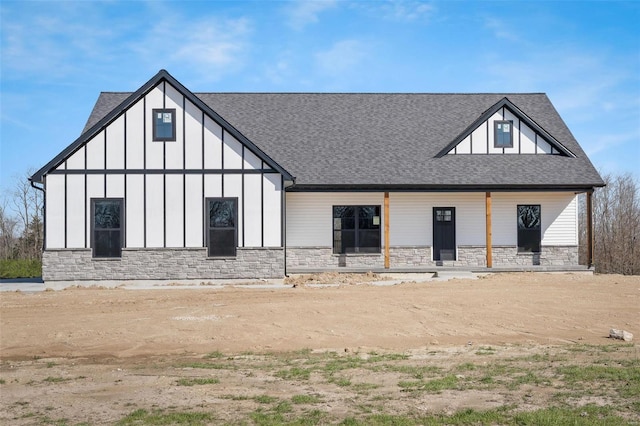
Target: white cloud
(342, 57)
(303, 13)
(408, 11)
(500, 29)
(209, 47)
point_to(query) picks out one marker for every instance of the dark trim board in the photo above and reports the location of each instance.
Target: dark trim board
(163, 171)
(440, 188)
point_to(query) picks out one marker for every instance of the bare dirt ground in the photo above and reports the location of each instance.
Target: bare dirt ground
(96, 355)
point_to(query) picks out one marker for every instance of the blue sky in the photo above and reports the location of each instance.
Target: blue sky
(57, 56)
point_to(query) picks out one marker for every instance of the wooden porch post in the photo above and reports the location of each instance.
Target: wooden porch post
(589, 229)
(386, 230)
(488, 228)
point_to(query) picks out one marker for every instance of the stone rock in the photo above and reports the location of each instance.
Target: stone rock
(620, 335)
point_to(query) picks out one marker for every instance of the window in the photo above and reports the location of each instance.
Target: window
(164, 124)
(529, 228)
(503, 134)
(222, 226)
(107, 227)
(356, 229)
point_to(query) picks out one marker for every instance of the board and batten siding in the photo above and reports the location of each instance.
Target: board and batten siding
(411, 217)
(525, 139)
(163, 184)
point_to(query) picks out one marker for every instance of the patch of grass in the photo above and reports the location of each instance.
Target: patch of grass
(265, 399)
(363, 387)
(283, 407)
(158, 417)
(436, 385)
(416, 371)
(2, 382)
(305, 399)
(191, 381)
(340, 381)
(51, 364)
(236, 397)
(374, 357)
(625, 378)
(486, 350)
(206, 366)
(20, 268)
(56, 379)
(585, 416)
(294, 373)
(261, 418)
(215, 354)
(467, 366)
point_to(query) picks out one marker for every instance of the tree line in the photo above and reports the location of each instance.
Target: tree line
(616, 224)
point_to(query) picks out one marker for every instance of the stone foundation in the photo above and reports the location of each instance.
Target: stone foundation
(318, 258)
(548, 256)
(161, 264)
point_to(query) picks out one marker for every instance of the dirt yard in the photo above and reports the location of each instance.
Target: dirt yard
(96, 355)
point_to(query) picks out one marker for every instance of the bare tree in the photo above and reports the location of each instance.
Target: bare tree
(21, 222)
(8, 227)
(616, 219)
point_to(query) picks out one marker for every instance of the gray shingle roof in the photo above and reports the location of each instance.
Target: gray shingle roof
(389, 140)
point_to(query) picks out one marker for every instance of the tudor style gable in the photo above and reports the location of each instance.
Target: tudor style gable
(505, 129)
(165, 154)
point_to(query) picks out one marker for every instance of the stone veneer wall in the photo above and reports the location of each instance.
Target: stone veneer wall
(318, 258)
(548, 256)
(161, 264)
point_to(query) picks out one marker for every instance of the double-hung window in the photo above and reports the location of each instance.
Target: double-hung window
(529, 228)
(164, 124)
(222, 226)
(503, 134)
(107, 223)
(356, 229)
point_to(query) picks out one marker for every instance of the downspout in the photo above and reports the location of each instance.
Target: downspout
(44, 211)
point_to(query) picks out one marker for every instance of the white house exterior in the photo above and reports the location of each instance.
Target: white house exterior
(167, 184)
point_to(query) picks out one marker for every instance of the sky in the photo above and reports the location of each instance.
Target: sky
(57, 56)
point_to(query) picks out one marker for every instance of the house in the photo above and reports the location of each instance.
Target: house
(164, 183)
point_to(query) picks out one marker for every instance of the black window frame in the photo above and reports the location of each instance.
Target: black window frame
(94, 230)
(498, 123)
(529, 238)
(358, 233)
(208, 228)
(154, 121)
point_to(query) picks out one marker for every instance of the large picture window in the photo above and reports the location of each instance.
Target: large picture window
(356, 229)
(107, 222)
(164, 124)
(529, 228)
(222, 226)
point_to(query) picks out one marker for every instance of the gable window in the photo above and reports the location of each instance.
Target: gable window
(164, 124)
(529, 228)
(503, 134)
(107, 223)
(222, 226)
(356, 229)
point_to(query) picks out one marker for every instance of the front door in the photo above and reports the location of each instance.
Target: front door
(444, 233)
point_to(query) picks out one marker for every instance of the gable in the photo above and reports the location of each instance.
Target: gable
(527, 137)
(123, 138)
